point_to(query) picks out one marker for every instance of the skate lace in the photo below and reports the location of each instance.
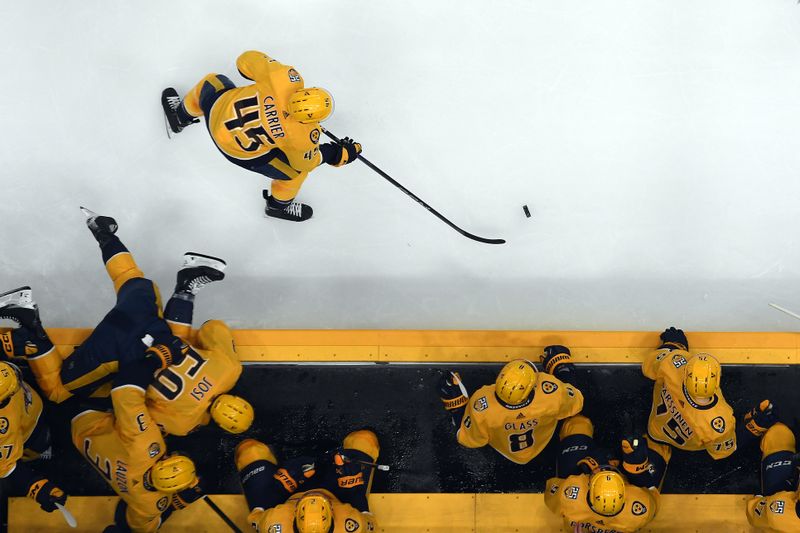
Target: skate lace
(295, 209)
(198, 283)
(173, 102)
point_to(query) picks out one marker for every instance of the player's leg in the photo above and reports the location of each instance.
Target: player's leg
(659, 455)
(777, 449)
(197, 102)
(350, 478)
(576, 439)
(197, 271)
(257, 464)
(280, 202)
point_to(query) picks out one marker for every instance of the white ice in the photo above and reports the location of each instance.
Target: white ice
(656, 143)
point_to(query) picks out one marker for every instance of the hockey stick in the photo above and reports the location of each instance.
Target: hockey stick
(441, 217)
(222, 515)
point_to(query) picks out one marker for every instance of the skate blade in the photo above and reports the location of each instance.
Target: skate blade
(22, 296)
(169, 130)
(194, 259)
(88, 212)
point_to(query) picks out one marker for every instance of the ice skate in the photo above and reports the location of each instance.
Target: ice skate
(171, 102)
(18, 305)
(197, 271)
(102, 227)
(294, 211)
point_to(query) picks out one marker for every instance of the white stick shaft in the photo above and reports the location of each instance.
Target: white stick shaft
(67, 515)
(784, 310)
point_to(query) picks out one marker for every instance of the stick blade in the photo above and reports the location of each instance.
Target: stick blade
(71, 522)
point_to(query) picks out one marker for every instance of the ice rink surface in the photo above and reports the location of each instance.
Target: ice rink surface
(656, 143)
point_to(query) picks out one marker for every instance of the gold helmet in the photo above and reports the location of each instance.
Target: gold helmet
(173, 473)
(702, 376)
(515, 381)
(9, 381)
(310, 105)
(313, 514)
(232, 413)
(607, 492)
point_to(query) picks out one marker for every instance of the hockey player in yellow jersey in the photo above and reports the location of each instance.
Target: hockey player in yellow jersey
(196, 371)
(599, 498)
(777, 508)
(689, 411)
(127, 449)
(517, 415)
(309, 495)
(270, 127)
(23, 437)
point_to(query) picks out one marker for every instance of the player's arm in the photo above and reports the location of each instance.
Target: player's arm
(725, 445)
(258, 66)
(671, 339)
(557, 361)
(570, 401)
(552, 494)
(217, 336)
(454, 396)
(132, 419)
(472, 432)
(18, 478)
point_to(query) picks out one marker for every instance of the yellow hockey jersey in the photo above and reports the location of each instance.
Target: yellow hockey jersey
(122, 446)
(520, 432)
(346, 518)
(180, 397)
(569, 498)
(776, 513)
(17, 421)
(675, 419)
(248, 122)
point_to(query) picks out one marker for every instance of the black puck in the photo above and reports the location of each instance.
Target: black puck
(527, 211)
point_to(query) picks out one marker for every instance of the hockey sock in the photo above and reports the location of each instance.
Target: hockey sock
(180, 308)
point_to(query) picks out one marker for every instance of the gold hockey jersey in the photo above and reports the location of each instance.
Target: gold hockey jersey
(569, 498)
(776, 513)
(17, 421)
(346, 518)
(122, 446)
(180, 397)
(248, 122)
(519, 433)
(675, 419)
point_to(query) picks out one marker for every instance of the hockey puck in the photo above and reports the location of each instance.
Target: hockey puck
(527, 211)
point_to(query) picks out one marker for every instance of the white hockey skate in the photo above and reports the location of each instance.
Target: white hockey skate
(197, 271)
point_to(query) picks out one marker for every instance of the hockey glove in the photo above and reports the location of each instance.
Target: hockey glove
(674, 339)
(292, 477)
(452, 391)
(47, 495)
(349, 472)
(556, 358)
(172, 352)
(188, 496)
(634, 456)
(589, 465)
(341, 152)
(760, 418)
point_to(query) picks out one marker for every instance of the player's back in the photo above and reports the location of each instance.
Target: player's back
(676, 419)
(180, 397)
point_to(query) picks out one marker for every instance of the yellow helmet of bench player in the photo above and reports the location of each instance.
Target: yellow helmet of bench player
(173, 473)
(9, 380)
(702, 376)
(515, 381)
(607, 492)
(313, 104)
(313, 514)
(232, 413)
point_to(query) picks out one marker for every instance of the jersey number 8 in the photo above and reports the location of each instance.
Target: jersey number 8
(520, 441)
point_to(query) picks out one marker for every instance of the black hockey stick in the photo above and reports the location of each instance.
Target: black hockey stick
(441, 217)
(222, 515)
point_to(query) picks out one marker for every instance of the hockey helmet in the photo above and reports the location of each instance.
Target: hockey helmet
(313, 514)
(173, 473)
(515, 381)
(10, 379)
(702, 376)
(232, 413)
(313, 104)
(606, 492)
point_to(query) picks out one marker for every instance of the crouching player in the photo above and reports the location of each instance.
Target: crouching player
(689, 411)
(127, 449)
(778, 506)
(23, 438)
(308, 496)
(191, 385)
(517, 415)
(594, 497)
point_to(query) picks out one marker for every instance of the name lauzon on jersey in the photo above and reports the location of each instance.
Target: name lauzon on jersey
(672, 410)
(121, 476)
